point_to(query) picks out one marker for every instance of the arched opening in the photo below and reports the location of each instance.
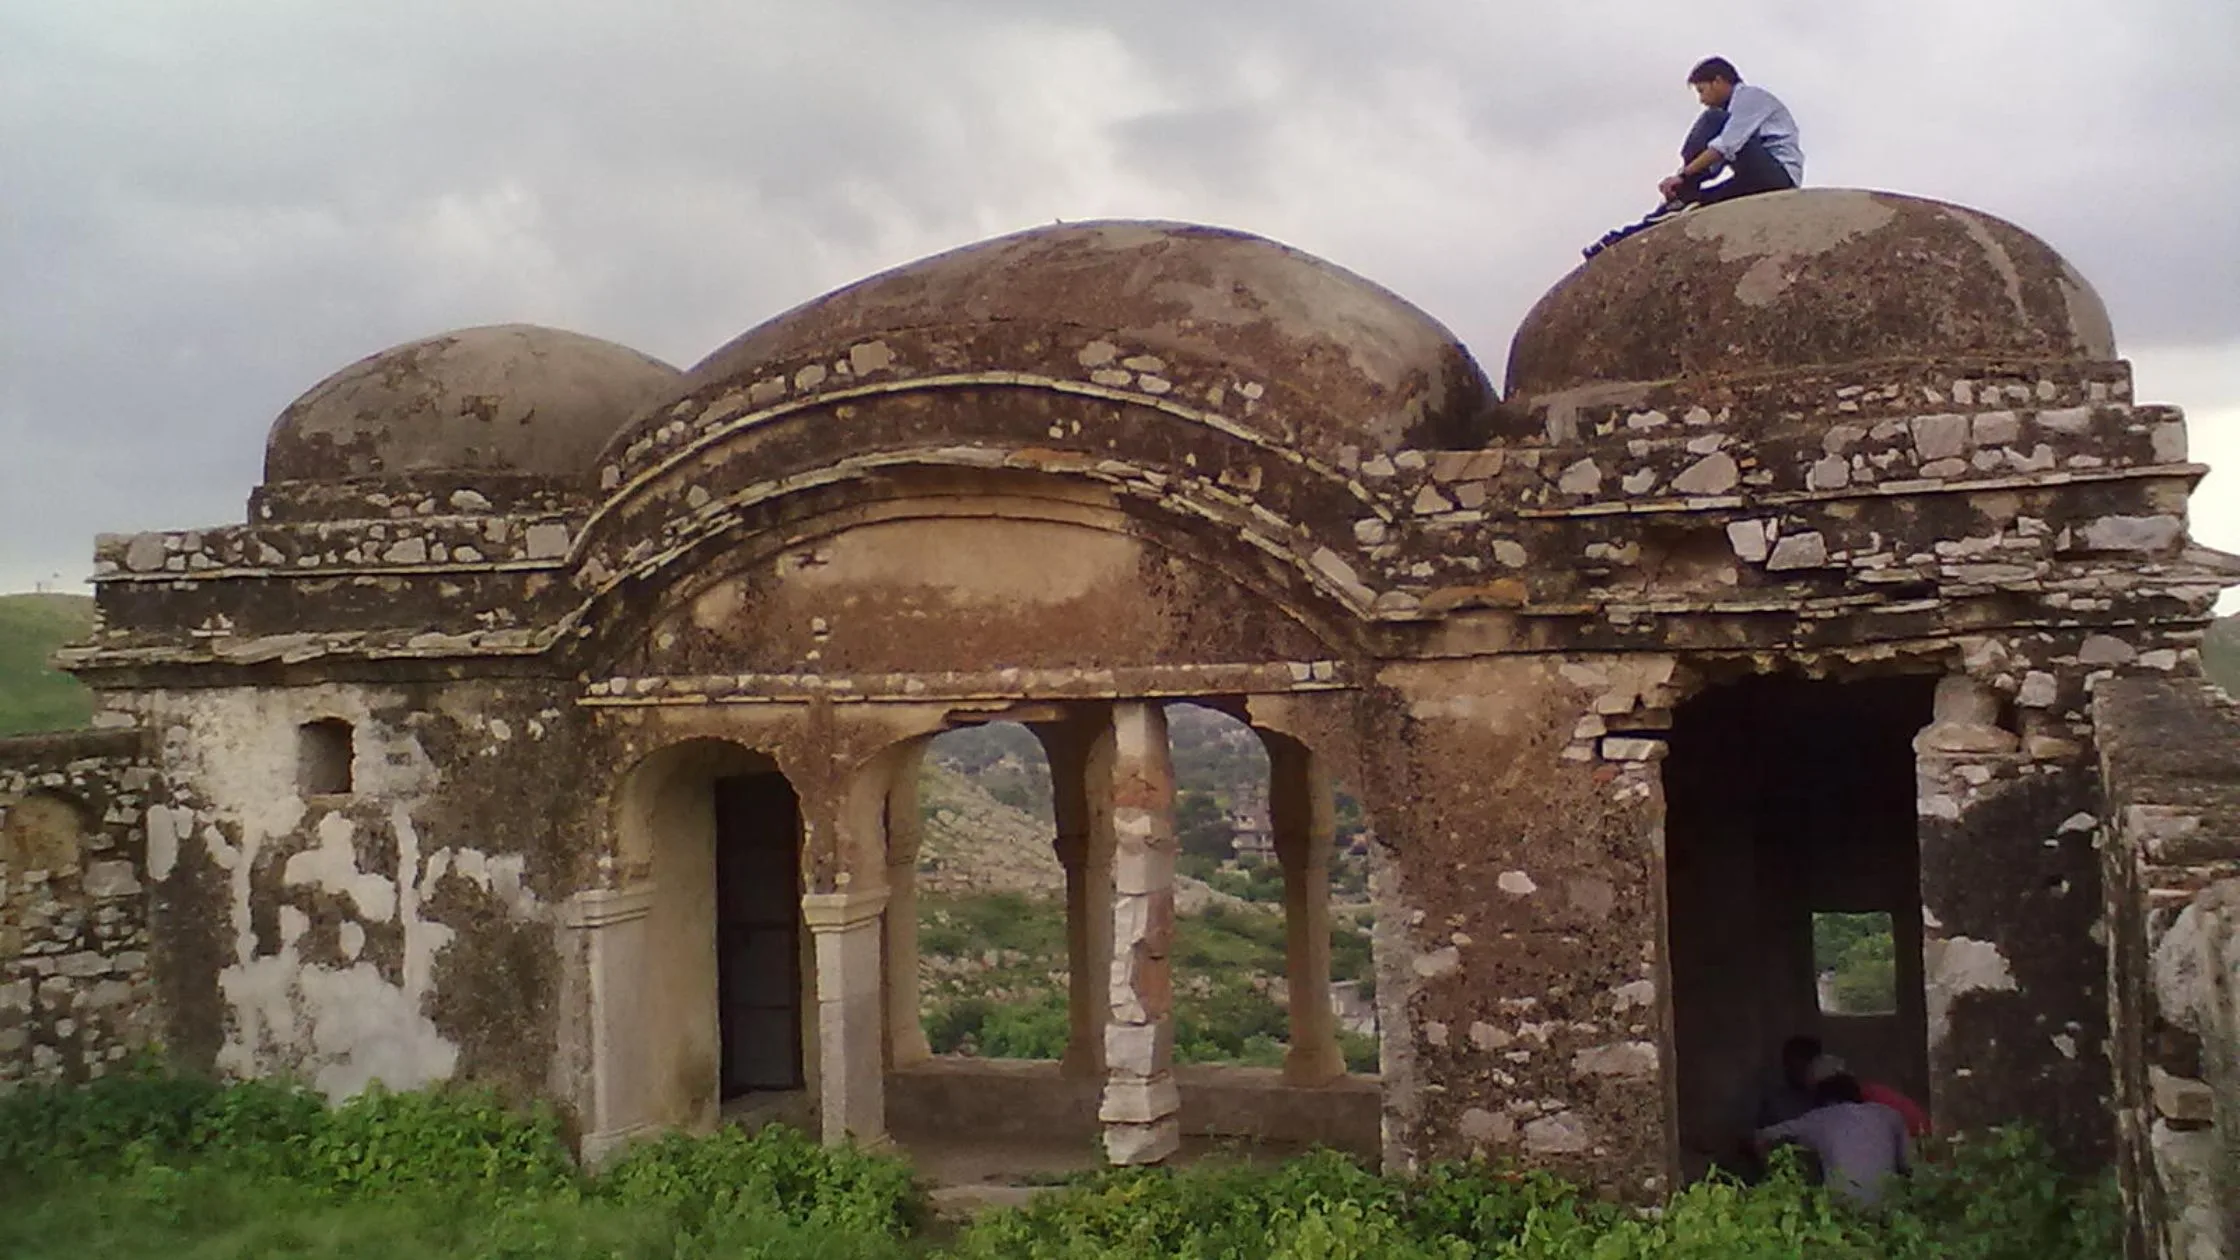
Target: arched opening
(1231, 947)
(993, 972)
(758, 934)
(1792, 876)
(701, 972)
(1201, 998)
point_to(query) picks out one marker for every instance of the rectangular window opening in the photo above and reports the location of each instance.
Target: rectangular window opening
(324, 750)
(1855, 959)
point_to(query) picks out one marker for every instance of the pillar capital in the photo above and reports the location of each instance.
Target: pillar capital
(599, 907)
(839, 911)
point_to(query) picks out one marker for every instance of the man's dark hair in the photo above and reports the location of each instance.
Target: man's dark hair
(1714, 68)
(1840, 1088)
(1799, 1051)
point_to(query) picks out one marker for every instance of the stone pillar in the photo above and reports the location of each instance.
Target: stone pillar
(906, 1030)
(851, 1069)
(1303, 816)
(2013, 982)
(613, 924)
(1080, 753)
(1141, 1109)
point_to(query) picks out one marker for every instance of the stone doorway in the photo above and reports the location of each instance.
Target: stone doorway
(758, 934)
(1790, 807)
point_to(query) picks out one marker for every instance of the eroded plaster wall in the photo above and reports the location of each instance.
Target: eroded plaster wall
(399, 931)
(941, 588)
(1519, 964)
(75, 996)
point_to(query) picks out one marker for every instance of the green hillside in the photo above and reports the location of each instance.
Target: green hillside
(2220, 654)
(34, 696)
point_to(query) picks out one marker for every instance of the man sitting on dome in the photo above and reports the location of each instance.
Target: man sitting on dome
(1743, 130)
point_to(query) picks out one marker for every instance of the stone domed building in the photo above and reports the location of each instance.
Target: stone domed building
(554, 720)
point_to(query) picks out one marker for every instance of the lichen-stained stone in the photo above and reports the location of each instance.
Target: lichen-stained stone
(1808, 278)
(507, 398)
(1276, 332)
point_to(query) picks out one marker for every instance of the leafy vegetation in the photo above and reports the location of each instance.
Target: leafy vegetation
(2220, 653)
(1858, 956)
(994, 981)
(153, 1166)
(34, 696)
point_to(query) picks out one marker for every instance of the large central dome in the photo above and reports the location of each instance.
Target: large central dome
(1364, 367)
(1814, 278)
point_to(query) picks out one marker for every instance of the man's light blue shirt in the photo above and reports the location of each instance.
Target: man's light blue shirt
(1756, 114)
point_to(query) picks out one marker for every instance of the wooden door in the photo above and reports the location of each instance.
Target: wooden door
(758, 933)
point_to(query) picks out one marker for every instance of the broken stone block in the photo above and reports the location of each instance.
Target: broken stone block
(1563, 1133)
(2132, 533)
(1478, 1125)
(1132, 1144)
(1629, 1060)
(2102, 649)
(1714, 474)
(1583, 477)
(1748, 538)
(1799, 551)
(1940, 437)
(2181, 1100)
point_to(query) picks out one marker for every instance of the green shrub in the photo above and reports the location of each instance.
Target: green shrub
(450, 1141)
(147, 1164)
(2000, 1196)
(774, 1169)
(145, 1117)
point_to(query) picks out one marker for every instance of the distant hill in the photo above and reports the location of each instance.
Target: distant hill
(2220, 653)
(34, 696)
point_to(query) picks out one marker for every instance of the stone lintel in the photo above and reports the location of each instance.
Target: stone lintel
(1759, 501)
(993, 687)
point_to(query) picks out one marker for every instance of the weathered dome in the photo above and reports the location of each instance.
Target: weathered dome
(510, 398)
(1813, 278)
(1373, 367)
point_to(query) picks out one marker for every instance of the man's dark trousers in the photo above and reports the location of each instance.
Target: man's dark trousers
(1755, 170)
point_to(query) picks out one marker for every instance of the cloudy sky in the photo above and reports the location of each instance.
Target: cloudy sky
(206, 207)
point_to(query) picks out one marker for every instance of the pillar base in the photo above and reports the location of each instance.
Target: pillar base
(1136, 1144)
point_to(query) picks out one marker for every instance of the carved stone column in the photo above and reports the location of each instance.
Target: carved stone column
(850, 1013)
(1080, 753)
(906, 1030)
(1303, 816)
(1141, 1109)
(613, 924)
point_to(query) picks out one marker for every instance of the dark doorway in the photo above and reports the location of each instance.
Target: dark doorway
(758, 933)
(1790, 823)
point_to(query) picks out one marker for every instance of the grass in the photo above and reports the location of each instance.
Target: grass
(205, 1213)
(34, 696)
(152, 1165)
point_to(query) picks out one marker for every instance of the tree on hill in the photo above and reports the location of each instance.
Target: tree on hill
(35, 696)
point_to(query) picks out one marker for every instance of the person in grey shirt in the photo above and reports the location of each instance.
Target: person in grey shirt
(1859, 1144)
(1743, 129)
(1756, 140)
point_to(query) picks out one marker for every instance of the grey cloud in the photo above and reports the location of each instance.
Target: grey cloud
(210, 207)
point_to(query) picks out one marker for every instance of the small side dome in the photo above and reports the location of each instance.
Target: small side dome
(510, 398)
(1363, 367)
(1815, 278)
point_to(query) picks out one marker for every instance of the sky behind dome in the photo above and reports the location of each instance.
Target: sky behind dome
(209, 207)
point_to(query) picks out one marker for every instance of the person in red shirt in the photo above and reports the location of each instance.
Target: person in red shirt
(1917, 1119)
